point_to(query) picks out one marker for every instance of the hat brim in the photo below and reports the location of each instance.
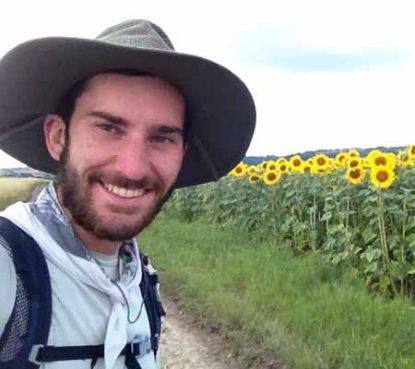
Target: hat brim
(35, 75)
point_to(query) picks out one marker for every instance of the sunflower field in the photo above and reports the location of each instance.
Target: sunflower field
(354, 211)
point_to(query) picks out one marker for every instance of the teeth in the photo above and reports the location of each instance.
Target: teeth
(122, 191)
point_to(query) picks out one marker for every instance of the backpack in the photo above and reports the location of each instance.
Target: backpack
(23, 342)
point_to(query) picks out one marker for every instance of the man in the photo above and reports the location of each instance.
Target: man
(121, 120)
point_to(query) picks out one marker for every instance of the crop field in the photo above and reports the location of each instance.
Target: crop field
(309, 263)
(351, 210)
(14, 189)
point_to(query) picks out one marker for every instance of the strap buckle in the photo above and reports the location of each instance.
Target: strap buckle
(140, 346)
(34, 353)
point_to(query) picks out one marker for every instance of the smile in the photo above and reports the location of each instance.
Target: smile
(124, 192)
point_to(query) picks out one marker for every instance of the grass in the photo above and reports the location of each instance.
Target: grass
(264, 301)
(14, 189)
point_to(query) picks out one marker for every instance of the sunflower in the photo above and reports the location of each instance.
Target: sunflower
(322, 164)
(264, 165)
(378, 158)
(281, 160)
(284, 166)
(296, 163)
(404, 159)
(353, 153)
(321, 161)
(411, 151)
(369, 157)
(254, 178)
(239, 170)
(272, 165)
(355, 175)
(340, 160)
(354, 162)
(251, 169)
(271, 177)
(307, 168)
(382, 176)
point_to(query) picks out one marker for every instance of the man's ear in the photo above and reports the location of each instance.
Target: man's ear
(54, 131)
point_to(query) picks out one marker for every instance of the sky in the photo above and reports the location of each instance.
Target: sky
(324, 74)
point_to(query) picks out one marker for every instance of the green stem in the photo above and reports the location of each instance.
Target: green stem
(274, 202)
(403, 242)
(313, 222)
(383, 241)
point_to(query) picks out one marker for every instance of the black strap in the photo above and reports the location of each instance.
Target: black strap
(47, 354)
(31, 267)
(149, 291)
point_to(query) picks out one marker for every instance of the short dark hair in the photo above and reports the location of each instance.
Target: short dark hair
(67, 103)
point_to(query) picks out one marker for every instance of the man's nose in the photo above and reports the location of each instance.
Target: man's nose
(133, 160)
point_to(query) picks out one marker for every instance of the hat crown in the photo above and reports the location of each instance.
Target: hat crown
(137, 33)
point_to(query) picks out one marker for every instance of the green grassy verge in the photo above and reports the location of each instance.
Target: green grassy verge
(310, 314)
(14, 189)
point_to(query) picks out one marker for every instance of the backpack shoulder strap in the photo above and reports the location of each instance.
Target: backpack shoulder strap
(149, 286)
(29, 322)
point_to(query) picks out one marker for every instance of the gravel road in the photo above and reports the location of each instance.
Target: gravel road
(184, 345)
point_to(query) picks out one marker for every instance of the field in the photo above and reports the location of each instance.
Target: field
(14, 189)
(312, 262)
(300, 270)
(352, 211)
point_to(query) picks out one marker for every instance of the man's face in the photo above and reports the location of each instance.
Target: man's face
(124, 153)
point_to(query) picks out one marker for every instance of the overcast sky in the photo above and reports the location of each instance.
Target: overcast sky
(324, 74)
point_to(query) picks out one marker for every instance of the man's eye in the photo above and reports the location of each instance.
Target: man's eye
(162, 139)
(109, 128)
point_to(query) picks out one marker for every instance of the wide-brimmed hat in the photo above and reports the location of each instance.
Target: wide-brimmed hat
(36, 74)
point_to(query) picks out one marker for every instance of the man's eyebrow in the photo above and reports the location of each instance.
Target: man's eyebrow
(162, 128)
(109, 117)
(170, 129)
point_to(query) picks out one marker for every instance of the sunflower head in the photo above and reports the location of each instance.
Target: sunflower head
(321, 163)
(264, 165)
(354, 162)
(353, 153)
(251, 169)
(254, 178)
(355, 175)
(411, 151)
(272, 165)
(296, 163)
(240, 170)
(284, 167)
(404, 159)
(307, 168)
(340, 159)
(382, 176)
(281, 160)
(373, 153)
(377, 158)
(271, 177)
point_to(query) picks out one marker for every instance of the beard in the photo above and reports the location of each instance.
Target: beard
(76, 197)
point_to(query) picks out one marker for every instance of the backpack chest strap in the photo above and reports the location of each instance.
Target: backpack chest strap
(132, 351)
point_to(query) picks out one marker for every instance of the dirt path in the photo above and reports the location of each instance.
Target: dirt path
(185, 346)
